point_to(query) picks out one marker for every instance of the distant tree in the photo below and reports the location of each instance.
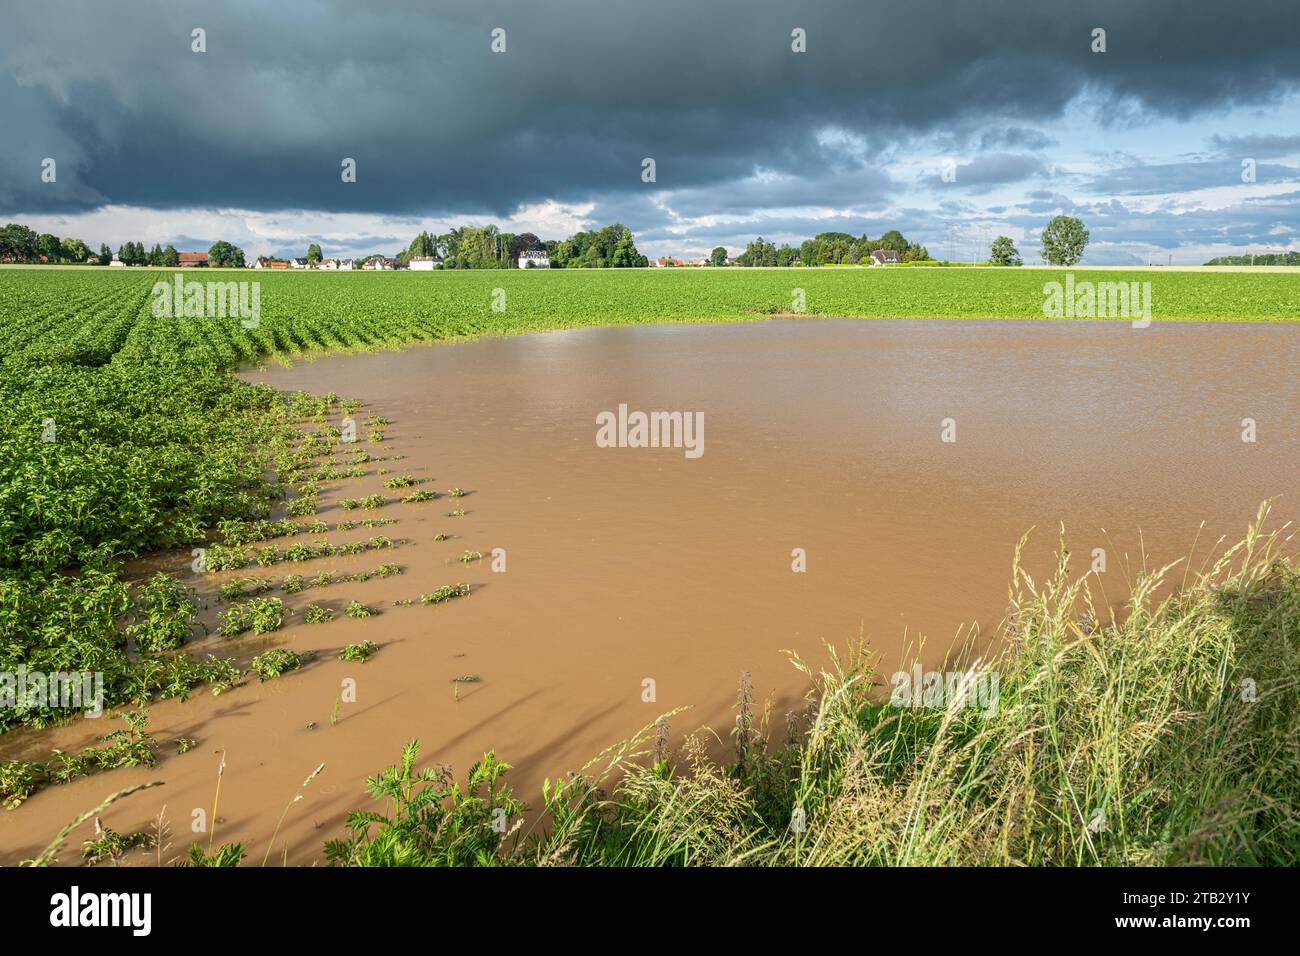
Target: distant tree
(894, 240)
(170, 257)
(506, 242)
(422, 245)
(73, 250)
(787, 255)
(223, 255)
(832, 247)
(758, 253)
(916, 253)
(105, 254)
(313, 253)
(156, 255)
(1005, 253)
(17, 243)
(48, 246)
(1064, 240)
(524, 242)
(718, 256)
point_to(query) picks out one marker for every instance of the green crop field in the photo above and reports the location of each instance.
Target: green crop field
(89, 316)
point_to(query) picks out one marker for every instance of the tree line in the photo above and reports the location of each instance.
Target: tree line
(824, 249)
(1291, 258)
(19, 243)
(487, 247)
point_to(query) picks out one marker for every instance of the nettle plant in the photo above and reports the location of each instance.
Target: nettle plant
(431, 820)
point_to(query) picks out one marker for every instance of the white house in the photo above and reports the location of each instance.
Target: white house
(115, 261)
(885, 257)
(345, 265)
(298, 263)
(425, 263)
(537, 259)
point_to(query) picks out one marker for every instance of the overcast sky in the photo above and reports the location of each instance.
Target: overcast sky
(1145, 142)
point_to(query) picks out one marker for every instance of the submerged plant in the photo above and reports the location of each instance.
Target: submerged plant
(260, 615)
(245, 587)
(275, 662)
(315, 614)
(445, 593)
(358, 610)
(358, 653)
(128, 747)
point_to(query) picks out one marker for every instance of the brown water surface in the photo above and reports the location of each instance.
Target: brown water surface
(631, 563)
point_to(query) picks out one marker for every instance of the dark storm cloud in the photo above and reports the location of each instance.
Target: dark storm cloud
(1256, 146)
(1015, 137)
(586, 89)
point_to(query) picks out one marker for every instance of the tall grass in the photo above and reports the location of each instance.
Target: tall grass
(1164, 734)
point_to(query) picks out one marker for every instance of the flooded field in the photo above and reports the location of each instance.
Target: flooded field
(625, 565)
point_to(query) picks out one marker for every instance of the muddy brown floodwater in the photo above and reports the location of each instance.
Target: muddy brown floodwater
(624, 564)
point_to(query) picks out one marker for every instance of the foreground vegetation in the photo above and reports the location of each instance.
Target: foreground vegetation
(1168, 737)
